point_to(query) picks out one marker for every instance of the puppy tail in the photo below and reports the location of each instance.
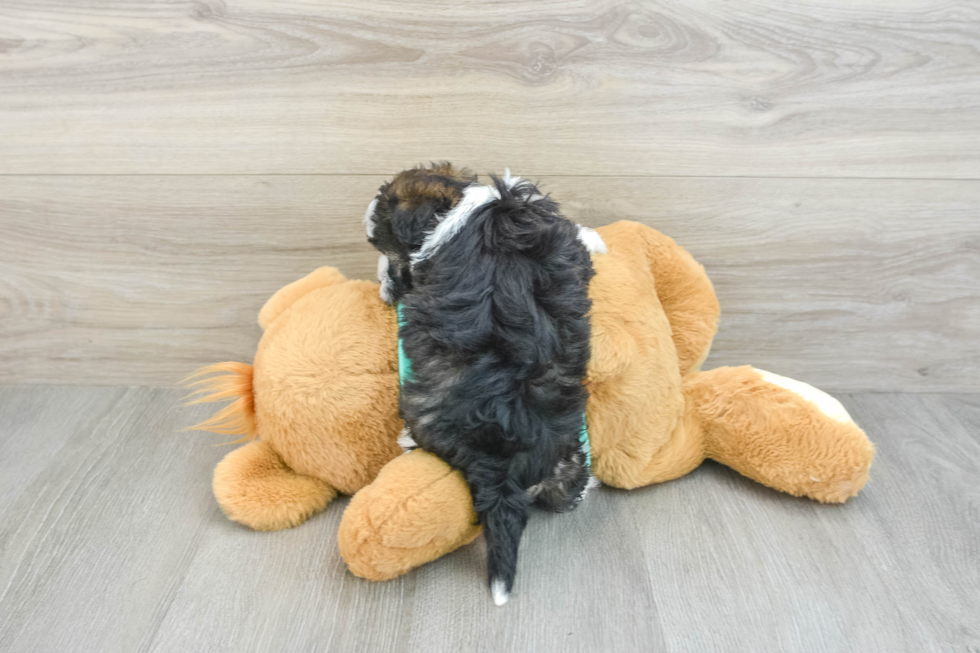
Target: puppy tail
(503, 525)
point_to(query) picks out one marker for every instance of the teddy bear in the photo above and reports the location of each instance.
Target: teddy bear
(318, 409)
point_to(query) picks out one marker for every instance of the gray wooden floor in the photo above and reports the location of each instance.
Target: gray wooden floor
(110, 540)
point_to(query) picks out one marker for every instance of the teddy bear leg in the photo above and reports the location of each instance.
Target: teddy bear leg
(416, 510)
(256, 488)
(683, 452)
(780, 432)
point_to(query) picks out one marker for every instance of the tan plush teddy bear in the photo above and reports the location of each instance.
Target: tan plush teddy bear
(320, 404)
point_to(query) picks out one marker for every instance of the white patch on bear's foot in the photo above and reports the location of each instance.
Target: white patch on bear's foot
(592, 240)
(499, 591)
(823, 401)
(406, 441)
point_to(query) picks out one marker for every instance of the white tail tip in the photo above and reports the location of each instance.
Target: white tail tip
(499, 591)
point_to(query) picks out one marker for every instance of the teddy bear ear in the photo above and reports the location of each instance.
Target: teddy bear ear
(289, 295)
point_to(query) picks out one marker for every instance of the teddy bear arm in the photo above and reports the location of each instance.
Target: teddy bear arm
(687, 297)
(289, 295)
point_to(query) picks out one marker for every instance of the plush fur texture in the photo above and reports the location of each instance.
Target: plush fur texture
(493, 283)
(413, 520)
(322, 397)
(220, 382)
(254, 486)
(324, 400)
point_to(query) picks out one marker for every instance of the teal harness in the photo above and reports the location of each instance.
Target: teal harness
(405, 374)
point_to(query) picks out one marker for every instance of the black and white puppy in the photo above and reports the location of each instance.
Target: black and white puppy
(493, 284)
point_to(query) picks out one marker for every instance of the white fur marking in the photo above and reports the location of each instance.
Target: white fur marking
(593, 483)
(592, 240)
(473, 198)
(520, 186)
(499, 591)
(823, 401)
(406, 441)
(386, 292)
(369, 217)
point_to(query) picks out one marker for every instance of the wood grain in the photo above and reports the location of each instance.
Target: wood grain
(859, 88)
(847, 284)
(771, 573)
(111, 541)
(95, 540)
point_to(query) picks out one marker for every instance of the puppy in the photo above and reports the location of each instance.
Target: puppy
(492, 284)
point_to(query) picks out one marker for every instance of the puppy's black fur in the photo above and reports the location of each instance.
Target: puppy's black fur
(497, 330)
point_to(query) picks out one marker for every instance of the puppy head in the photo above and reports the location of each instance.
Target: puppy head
(405, 210)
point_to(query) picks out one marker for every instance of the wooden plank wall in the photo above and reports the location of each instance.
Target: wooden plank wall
(166, 165)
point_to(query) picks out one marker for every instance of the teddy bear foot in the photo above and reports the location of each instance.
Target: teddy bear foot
(416, 510)
(256, 488)
(781, 432)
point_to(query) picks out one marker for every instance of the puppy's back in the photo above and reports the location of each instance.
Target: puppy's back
(497, 329)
